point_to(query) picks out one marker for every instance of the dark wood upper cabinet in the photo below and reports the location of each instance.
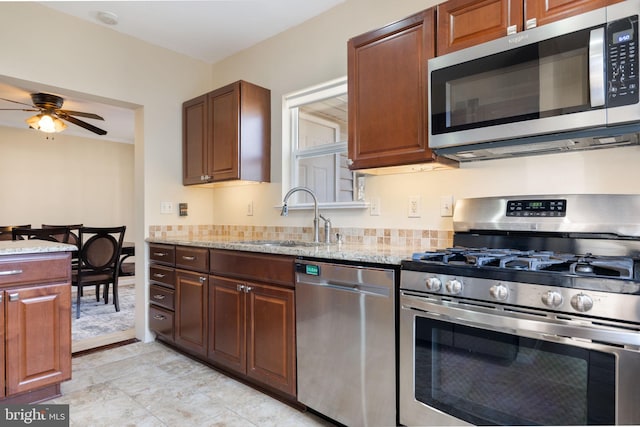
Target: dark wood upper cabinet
(227, 135)
(465, 23)
(387, 93)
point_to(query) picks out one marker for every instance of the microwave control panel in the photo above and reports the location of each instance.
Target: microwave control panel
(622, 68)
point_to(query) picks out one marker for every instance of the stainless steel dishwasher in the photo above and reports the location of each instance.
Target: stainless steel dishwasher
(346, 345)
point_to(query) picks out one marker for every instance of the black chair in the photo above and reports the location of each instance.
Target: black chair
(98, 262)
(74, 229)
(5, 231)
(58, 234)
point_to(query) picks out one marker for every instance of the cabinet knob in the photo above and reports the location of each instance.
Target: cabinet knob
(240, 288)
(349, 162)
(203, 279)
(248, 289)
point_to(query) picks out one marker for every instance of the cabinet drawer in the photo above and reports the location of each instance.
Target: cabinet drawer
(274, 269)
(161, 296)
(161, 321)
(163, 275)
(163, 254)
(35, 268)
(196, 259)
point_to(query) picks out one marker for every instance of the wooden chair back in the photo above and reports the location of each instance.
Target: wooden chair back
(59, 234)
(5, 231)
(74, 230)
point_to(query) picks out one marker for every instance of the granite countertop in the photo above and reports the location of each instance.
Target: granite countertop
(381, 254)
(12, 247)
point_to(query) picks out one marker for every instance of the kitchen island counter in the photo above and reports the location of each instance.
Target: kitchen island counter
(380, 254)
(15, 247)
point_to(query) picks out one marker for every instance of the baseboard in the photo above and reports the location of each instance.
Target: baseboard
(102, 340)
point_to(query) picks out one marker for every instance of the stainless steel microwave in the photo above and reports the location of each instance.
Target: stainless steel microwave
(571, 84)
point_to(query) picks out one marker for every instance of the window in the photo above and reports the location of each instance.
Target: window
(315, 130)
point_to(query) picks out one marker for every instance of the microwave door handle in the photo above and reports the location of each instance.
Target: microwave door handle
(596, 67)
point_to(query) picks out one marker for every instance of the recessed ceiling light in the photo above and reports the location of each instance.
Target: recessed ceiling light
(108, 18)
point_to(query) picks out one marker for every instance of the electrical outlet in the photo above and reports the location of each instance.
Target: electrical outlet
(374, 206)
(414, 207)
(250, 208)
(166, 207)
(446, 206)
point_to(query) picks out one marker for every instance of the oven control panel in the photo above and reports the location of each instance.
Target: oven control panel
(537, 208)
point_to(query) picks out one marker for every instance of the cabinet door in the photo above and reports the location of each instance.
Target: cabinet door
(191, 311)
(387, 93)
(38, 341)
(227, 339)
(224, 117)
(271, 336)
(464, 23)
(195, 141)
(546, 11)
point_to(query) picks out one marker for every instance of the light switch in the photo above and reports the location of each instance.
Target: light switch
(166, 207)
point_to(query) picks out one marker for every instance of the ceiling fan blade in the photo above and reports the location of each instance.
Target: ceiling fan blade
(17, 109)
(80, 114)
(16, 102)
(82, 124)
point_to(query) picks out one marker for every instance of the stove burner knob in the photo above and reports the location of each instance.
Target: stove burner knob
(499, 292)
(434, 284)
(454, 286)
(581, 302)
(552, 299)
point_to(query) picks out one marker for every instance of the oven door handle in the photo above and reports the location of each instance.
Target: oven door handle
(517, 323)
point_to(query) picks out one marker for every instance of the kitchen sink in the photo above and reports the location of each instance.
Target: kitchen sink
(284, 243)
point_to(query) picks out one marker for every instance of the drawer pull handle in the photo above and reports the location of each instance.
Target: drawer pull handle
(159, 254)
(10, 272)
(159, 317)
(159, 296)
(159, 275)
(188, 258)
(14, 297)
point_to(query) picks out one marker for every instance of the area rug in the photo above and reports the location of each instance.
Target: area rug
(98, 318)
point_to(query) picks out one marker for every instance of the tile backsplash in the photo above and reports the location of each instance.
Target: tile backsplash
(411, 238)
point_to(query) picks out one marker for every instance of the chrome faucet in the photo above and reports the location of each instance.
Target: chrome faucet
(285, 210)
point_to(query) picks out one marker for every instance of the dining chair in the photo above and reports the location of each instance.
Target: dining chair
(58, 234)
(98, 262)
(74, 229)
(5, 231)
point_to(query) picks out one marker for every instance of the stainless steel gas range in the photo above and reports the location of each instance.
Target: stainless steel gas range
(533, 317)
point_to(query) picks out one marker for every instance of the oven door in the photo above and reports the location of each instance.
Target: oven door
(462, 362)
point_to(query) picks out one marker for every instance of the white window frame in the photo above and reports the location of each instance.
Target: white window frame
(290, 152)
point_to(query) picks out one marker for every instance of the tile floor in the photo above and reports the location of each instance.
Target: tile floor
(150, 384)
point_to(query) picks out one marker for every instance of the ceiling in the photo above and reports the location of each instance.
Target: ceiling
(208, 30)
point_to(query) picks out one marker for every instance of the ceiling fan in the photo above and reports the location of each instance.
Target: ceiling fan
(50, 114)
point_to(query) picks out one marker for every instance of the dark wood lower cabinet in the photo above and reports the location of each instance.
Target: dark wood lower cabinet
(240, 317)
(252, 331)
(191, 311)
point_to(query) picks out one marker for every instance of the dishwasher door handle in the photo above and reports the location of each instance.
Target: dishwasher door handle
(353, 288)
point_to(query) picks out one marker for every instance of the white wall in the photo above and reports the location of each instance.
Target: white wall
(44, 46)
(65, 180)
(316, 52)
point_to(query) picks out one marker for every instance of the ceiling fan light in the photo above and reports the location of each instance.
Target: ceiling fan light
(46, 123)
